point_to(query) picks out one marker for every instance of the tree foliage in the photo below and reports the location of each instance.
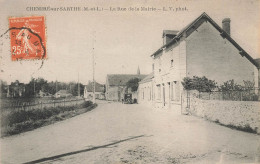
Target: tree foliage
(133, 84)
(33, 88)
(201, 84)
(230, 85)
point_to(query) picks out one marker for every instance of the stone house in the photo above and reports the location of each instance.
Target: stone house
(99, 91)
(116, 85)
(145, 90)
(202, 48)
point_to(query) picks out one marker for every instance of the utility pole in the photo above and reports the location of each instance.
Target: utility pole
(78, 86)
(93, 56)
(56, 88)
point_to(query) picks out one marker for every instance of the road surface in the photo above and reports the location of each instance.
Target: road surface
(124, 133)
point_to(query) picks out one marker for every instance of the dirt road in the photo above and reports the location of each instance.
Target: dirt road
(124, 133)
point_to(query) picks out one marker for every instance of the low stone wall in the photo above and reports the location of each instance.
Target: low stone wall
(239, 114)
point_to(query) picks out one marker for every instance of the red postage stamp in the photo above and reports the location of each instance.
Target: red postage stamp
(27, 37)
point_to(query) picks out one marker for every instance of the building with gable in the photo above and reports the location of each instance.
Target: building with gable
(202, 48)
(116, 85)
(99, 91)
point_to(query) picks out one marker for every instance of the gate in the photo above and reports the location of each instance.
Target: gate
(185, 102)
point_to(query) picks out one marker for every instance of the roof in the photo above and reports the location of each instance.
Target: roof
(122, 79)
(98, 87)
(148, 78)
(63, 92)
(186, 31)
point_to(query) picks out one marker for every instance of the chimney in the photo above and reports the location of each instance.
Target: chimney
(226, 25)
(168, 35)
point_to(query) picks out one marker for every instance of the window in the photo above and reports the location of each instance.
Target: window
(159, 92)
(172, 63)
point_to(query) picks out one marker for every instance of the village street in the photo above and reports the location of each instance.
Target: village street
(131, 133)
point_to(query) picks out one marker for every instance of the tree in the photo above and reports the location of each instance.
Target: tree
(230, 85)
(133, 84)
(3, 88)
(249, 85)
(201, 84)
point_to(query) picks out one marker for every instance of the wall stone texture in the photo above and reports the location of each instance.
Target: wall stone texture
(239, 114)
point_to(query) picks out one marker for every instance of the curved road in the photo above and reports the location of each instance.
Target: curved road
(122, 133)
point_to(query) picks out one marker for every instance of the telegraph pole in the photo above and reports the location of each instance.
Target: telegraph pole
(78, 86)
(56, 88)
(93, 56)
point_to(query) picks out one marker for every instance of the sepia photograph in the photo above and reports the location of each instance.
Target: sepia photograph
(129, 81)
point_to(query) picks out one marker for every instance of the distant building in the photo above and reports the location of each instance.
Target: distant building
(43, 94)
(202, 48)
(145, 90)
(99, 91)
(63, 93)
(116, 85)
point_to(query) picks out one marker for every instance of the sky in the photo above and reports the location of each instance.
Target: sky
(122, 40)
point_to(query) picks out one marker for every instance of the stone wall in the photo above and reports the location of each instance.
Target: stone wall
(239, 114)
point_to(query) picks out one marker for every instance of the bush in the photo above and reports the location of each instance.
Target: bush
(201, 84)
(19, 121)
(230, 85)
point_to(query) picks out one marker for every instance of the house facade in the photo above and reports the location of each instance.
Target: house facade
(146, 90)
(202, 48)
(99, 91)
(116, 85)
(258, 62)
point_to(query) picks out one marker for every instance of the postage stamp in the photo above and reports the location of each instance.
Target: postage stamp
(27, 35)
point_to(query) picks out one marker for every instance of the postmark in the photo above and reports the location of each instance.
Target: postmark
(28, 38)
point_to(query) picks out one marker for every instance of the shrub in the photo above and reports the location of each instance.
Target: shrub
(230, 85)
(201, 84)
(19, 121)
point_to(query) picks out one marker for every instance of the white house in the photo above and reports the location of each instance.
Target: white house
(202, 48)
(99, 91)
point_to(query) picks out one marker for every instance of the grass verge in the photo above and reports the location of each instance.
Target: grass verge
(245, 128)
(21, 121)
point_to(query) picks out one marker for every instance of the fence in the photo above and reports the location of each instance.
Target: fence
(244, 95)
(41, 104)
